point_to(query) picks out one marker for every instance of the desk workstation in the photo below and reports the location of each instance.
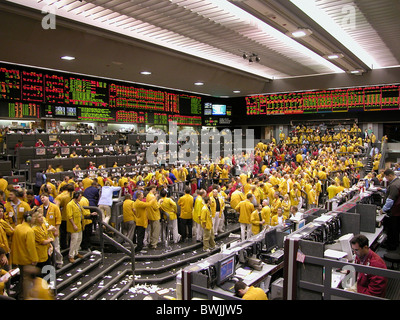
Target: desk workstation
(317, 256)
(256, 261)
(311, 253)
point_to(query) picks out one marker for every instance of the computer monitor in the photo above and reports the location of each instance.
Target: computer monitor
(301, 224)
(346, 246)
(271, 241)
(226, 269)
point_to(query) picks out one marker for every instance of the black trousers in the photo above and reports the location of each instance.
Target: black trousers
(63, 235)
(139, 237)
(183, 224)
(86, 234)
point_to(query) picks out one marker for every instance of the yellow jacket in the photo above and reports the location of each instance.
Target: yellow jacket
(23, 248)
(53, 214)
(186, 204)
(10, 215)
(87, 182)
(206, 218)
(153, 211)
(256, 227)
(198, 205)
(6, 232)
(41, 234)
(245, 208)
(274, 220)
(141, 215)
(128, 210)
(63, 199)
(236, 197)
(254, 293)
(213, 205)
(276, 203)
(169, 206)
(74, 212)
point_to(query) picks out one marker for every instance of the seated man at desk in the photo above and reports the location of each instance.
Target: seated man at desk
(369, 284)
(249, 293)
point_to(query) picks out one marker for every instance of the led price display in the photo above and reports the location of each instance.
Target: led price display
(86, 92)
(54, 88)
(10, 84)
(131, 116)
(23, 110)
(185, 120)
(32, 86)
(136, 98)
(189, 105)
(376, 98)
(160, 118)
(96, 114)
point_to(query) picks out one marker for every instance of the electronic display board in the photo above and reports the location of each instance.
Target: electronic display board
(60, 95)
(19, 110)
(10, 84)
(373, 98)
(86, 92)
(131, 116)
(189, 105)
(96, 114)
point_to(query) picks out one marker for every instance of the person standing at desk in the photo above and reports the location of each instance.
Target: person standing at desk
(369, 284)
(249, 293)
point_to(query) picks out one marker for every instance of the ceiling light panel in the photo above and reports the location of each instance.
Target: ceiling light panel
(192, 27)
(344, 21)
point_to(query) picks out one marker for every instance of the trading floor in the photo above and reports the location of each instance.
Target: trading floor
(199, 150)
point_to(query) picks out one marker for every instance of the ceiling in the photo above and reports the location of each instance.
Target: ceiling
(182, 42)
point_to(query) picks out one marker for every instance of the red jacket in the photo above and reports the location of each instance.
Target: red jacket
(371, 284)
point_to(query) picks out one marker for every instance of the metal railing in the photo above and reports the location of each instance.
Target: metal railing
(112, 241)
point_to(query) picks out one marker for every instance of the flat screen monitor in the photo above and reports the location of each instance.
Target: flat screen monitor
(226, 269)
(301, 223)
(218, 110)
(271, 241)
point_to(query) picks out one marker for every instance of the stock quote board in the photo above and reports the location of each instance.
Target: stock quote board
(29, 93)
(373, 98)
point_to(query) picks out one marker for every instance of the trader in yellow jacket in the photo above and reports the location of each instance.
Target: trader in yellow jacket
(15, 209)
(186, 204)
(75, 216)
(207, 225)
(141, 219)
(245, 208)
(153, 215)
(217, 206)
(52, 214)
(198, 205)
(169, 206)
(23, 249)
(257, 220)
(249, 293)
(128, 216)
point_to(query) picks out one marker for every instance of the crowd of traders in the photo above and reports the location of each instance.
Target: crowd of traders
(266, 187)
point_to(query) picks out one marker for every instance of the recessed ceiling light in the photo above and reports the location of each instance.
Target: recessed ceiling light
(357, 72)
(301, 32)
(67, 58)
(236, 91)
(198, 83)
(145, 72)
(333, 56)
